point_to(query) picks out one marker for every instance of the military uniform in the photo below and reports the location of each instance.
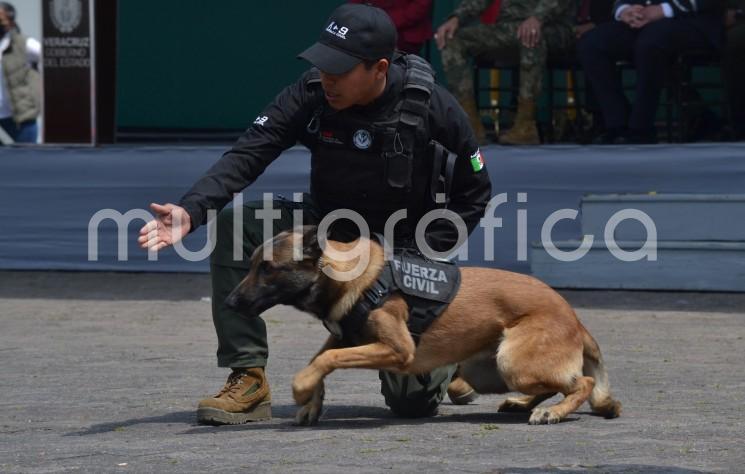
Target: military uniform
(500, 41)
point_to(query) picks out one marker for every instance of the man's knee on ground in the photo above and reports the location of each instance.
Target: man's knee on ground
(413, 406)
(411, 396)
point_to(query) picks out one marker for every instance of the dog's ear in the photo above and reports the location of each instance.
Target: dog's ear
(311, 247)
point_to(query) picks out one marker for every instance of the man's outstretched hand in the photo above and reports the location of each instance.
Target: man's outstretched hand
(170, 225)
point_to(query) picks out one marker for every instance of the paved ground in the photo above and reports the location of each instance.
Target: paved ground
(101, 372)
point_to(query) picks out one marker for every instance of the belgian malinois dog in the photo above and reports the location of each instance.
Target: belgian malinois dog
(508, 332)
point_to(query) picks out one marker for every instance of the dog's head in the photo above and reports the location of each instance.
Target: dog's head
(285, 278)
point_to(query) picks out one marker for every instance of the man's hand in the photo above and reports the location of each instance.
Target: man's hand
(631, 15)
(648, 15)
(580, 30)
(529, 32)
(446, 31)
(170, 225)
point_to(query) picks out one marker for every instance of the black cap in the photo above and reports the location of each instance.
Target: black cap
(353, 33)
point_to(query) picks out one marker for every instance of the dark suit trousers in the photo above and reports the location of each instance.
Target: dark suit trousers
(651, 50)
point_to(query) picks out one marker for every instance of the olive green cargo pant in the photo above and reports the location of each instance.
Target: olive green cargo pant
(242, 342)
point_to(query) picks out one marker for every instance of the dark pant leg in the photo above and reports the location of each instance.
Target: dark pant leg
(656, 47)
(415, 396)
(241, 341)
(733, 67)
(496, 41)
(599, 50)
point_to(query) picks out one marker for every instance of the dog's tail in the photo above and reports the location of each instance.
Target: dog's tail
(601, 401)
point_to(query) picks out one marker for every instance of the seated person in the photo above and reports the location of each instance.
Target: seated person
(650, 33)
(524, 29)
(413, 20)
(591, 13)
(733, 64)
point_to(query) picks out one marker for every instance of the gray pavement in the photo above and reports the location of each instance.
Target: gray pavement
(101, 372)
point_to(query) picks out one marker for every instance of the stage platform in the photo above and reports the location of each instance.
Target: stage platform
(50, 194)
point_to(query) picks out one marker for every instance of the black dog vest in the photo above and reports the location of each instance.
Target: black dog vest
(427, 286)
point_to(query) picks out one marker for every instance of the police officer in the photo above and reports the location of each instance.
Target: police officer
(379, 131)
(526, 29)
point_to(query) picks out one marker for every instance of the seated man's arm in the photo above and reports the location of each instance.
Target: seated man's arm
(548, 11)
(469, 10)
(471, 187)
(273, 131)
(620, 5)
(682, 8)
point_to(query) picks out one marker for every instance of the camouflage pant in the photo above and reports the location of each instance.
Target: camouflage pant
(499, 41)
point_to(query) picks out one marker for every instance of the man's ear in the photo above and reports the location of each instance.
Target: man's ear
(311, 247)
(381, 68)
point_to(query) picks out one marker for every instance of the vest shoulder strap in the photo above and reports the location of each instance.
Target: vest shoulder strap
(419, 82)
(313, 77)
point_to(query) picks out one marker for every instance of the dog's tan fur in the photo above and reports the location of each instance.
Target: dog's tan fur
(509, 333)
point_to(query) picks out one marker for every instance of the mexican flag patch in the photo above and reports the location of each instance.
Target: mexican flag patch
(477, 161)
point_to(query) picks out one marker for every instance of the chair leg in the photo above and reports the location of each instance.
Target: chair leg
(578, 120)
(550, 105)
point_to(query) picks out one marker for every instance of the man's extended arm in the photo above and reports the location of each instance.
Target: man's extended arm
(273, 131)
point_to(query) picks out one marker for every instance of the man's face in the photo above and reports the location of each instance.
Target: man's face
(5, 23)
(359, 86)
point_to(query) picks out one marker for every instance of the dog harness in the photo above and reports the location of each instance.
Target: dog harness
(427, 286)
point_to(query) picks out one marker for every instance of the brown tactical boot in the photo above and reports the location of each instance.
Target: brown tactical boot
(244, 397)
(460, 392)
(523, 131)
(469, 107)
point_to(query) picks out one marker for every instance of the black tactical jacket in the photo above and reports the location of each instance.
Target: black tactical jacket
(285, 122)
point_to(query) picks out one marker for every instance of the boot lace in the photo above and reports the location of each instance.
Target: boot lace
(235, 380)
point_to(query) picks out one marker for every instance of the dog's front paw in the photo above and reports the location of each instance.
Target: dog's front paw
(304, 385)
(310, 413)
(543, 416)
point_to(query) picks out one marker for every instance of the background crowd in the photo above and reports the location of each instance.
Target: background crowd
(625, 54)
(600, 37)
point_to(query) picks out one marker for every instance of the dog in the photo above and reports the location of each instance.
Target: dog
(507, 331)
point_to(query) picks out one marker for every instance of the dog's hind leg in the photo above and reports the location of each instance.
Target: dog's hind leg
(601, 400)
(575, 395)
(523, 404)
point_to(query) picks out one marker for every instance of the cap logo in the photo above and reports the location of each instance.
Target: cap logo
(336, 30)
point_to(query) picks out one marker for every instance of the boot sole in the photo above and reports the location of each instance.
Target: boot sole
(216, 417)
(464, 399)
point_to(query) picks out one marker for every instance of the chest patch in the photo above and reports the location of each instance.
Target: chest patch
(362, 139)
(331, 137)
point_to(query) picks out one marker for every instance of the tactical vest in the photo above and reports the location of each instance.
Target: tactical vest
(376, 167)
(22, 82)
(427, 286)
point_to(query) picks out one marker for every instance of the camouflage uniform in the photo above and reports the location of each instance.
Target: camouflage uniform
(500, 41)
